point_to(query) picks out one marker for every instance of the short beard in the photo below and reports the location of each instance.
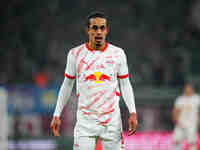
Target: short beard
(98, 45)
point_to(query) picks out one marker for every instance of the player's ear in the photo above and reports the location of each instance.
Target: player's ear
(107, 30)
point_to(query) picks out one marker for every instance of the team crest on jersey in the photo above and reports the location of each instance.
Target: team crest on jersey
(97, 77)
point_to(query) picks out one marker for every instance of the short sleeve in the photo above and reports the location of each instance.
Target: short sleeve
(198, 102)
(178, 103)
(123, 67)
(70, 70)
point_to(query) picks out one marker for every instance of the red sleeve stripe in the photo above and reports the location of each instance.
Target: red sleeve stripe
(78, 95)
(117, 93)
(68, 76)
(123, 76)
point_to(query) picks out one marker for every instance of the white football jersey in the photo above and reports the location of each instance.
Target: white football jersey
(189, 109)
(96, 73)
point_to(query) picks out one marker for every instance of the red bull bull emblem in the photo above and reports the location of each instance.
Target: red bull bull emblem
(97, 77)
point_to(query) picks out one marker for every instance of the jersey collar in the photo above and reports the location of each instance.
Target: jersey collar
(102, 50)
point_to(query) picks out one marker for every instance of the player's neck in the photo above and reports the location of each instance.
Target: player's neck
(97, 47)
(189, 95)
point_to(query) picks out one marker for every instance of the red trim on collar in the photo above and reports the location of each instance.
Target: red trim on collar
(102, 50)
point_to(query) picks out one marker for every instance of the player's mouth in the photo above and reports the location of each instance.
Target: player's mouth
(98, 39)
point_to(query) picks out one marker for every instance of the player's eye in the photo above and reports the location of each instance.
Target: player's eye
(102, 28)
(94, 27)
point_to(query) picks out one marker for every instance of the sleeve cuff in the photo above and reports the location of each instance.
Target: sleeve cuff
(122, 76)
(69, 77)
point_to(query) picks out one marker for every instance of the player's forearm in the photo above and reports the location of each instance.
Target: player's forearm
(63, 96)
(127, 94)
(175, 115)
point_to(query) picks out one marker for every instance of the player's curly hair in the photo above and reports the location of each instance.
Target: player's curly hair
(95, 14)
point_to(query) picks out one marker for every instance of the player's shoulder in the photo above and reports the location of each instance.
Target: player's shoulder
(74, 50)
(116, 49)
(197, 96)
(114, 46)
(179, 98)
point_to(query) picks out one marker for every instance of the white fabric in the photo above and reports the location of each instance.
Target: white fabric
(189, 134)
(187, 127)
(4, 119)
(111, 135)
(189, 109)
(63, 96)
(123, 67)
(177, 146)
(89, 143)
(128, 95)
(70, 65)
(97, 74)
(86, 143)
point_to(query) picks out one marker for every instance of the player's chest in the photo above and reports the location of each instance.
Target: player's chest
(190, 105)
(97, 61)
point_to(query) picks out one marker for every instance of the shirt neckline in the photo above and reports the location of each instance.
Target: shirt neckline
(101, 50)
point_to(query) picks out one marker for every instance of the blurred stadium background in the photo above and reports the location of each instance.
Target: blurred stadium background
(161, 39)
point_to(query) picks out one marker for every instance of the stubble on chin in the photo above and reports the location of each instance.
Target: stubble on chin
(98, 45)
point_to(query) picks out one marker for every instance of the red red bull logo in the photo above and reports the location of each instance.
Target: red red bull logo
(97, 77)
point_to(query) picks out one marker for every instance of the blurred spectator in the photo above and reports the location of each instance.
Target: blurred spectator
(4, 119)
(41, 79)
(161, 39)
(185, 117)
(178, 72)
(41, 34)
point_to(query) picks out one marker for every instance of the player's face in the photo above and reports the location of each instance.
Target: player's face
(97, 31)
(188, 89)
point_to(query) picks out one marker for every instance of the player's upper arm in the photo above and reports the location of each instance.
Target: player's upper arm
(175, 114)
(178, 103)
(70, 70)
(123, 67)
(199, 103)
(176, 108)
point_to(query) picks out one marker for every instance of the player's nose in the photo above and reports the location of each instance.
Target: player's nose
(99, 31)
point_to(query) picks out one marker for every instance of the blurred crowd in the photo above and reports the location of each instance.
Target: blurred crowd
(160, 38)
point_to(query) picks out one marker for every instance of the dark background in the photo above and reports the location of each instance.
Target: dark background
(160, 38)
